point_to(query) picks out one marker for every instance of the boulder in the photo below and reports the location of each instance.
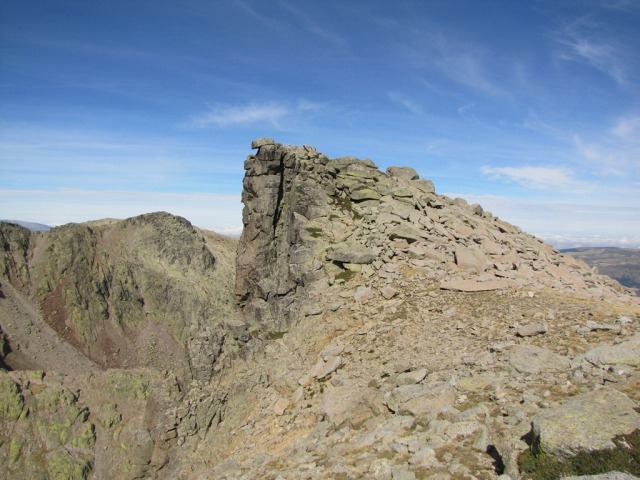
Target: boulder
(352, 253)
(405, 173)
(281, 406)
(388, 292)
(347, 403)
(626, 353)
(261, 142)
(412, 377)
(328, 367)
(473, 285)
(532, 329)
(419, 399)
(584, 423)
(406, 232)
(532, 359)
(362, 194)
(424, 185)
(470, 259)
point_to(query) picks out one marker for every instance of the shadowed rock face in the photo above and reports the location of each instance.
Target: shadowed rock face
(284, 188)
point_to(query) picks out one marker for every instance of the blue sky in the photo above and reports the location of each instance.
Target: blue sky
(532, 109)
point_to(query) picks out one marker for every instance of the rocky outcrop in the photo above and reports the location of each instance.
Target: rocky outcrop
(310, 221)
(137, 292)
(283, 192)
(14, 254)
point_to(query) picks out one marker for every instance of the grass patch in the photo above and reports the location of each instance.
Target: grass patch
(346, 275)
(315, 232)
(346, 205)
(277, 335)
(624, 458)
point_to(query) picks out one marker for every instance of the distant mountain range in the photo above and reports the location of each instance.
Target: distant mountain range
(622, 264)
(34, 227)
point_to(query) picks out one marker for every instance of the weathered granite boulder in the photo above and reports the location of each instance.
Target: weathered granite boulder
(352, 253)
(626, 353)
(470, 259)
(584, 423)
(405, 173)
(351, 404)
(532, 359)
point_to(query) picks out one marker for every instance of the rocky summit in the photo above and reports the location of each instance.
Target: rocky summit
(362, 327)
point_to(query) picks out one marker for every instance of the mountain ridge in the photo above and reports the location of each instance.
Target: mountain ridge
(363, 326)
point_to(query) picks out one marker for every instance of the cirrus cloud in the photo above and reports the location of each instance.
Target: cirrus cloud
(272, 113)
(531, 176)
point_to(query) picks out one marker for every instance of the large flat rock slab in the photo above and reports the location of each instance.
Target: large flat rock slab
(604, 476)
(626, 353)
(474, 285)
(584, 423)
(532, 359)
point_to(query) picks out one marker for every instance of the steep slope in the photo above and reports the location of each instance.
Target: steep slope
(146, 291)
(79, 301)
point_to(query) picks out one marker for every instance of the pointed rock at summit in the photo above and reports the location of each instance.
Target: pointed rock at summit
(405, 173)
(261, 142)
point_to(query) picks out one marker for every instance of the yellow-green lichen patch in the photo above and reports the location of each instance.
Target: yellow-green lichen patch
(112, 417)
(54, 398)
(35, 375)
(86, 438)
(14, 450)
(62, 466)
(11, 401)
(129, 385)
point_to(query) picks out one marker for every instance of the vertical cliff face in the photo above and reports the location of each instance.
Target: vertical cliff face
(284, 188)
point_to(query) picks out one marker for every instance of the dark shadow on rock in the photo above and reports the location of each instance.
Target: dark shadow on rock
(528, 438)
(498, 463)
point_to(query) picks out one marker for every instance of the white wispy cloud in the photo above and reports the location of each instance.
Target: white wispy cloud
(628, 129)
(464, 61)
(466, 107)
(532, 176)
(224, 115)
(403, 101)
(583, 42)
(614, 152)
(272, 113)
